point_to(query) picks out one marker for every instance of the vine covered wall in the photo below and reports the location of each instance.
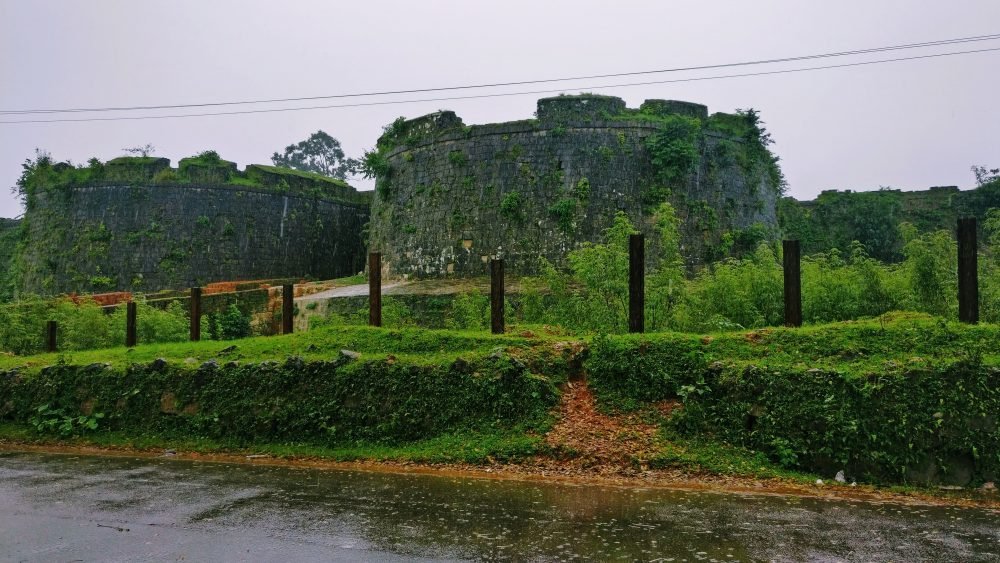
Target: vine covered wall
(450, 196)
(136, 224)
(9, 233)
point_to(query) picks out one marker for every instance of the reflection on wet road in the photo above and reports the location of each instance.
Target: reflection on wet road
(61, 508)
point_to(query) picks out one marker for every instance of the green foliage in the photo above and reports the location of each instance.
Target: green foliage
(166, 176)
(455, 384)
(881, 401)
(760, 159)
(152, 324)
(654, 195)
(991, 226)
(582, 191)
(49, 420)
(564, 212)
(230, 324)
(43, 175)
(603, 271)
(458, 159)
(470, 311)
(839, 218)
(665, 287)
(674, 149)
(510, 205)
(747, 292)
(931, 264)
(392, 134)
(736, 293)
(375, 165)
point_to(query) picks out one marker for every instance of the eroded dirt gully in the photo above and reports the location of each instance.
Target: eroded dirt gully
(592, 448)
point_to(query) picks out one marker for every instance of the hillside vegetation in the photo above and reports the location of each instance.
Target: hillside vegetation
(906, 399)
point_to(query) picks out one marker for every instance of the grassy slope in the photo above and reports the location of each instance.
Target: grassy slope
(858, 348)
(414, 345)
(408, 347)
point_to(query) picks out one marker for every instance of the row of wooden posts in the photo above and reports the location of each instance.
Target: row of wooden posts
(131, 333)
(968, 290)
(968, 278)
(968, 282)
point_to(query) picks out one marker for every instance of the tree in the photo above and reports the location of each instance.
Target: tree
(985, 175)
(320, 153)
(143, 151)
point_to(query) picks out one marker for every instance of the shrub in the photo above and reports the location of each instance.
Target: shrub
(510, 206)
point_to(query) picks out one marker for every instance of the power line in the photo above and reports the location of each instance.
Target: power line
(937, 43)
(500, 95)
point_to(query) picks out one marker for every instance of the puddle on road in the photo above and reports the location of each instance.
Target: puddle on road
(464, 518)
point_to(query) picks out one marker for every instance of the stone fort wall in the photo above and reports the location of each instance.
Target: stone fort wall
(143, 235)
(455, 195)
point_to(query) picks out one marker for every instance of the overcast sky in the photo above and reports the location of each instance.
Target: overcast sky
(909, 124)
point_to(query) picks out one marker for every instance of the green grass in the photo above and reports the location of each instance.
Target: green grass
(811, 390)
(473, 447)
(851, 347)
(136, 160)
(307, 175)
(415, 345)
(351, 280)
(702, 455)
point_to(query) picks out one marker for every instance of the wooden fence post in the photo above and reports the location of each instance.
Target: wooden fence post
(130, 324)
(636, 283)
(793, 282)
(51, 327)
(375, 289)
(496, 296)
(968, 271)
(287, 308)
(195, 314)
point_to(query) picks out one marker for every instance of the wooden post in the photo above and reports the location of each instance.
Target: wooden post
(195, 314)
(636, 283)
(375, 289)
(793, 282)
(130, 324)
(968, 271)
(496, 296)
(51, 327)
(287, 307)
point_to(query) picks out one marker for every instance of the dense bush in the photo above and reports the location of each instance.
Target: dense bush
(748, 293)
(910, 400)
(326, 402)
(85, 325)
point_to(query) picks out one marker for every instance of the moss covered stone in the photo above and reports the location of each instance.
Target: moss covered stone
(542, 187)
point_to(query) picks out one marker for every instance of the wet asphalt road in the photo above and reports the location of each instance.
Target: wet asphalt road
(73, 508)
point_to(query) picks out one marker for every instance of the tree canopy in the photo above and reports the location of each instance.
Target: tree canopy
(320, 153)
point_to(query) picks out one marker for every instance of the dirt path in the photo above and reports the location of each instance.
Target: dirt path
(350, 291)
(592, 439)
(413, 287)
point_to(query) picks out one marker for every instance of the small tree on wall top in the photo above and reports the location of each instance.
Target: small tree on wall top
(320, 153)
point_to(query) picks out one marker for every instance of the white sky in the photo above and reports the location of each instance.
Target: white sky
(908, 124)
